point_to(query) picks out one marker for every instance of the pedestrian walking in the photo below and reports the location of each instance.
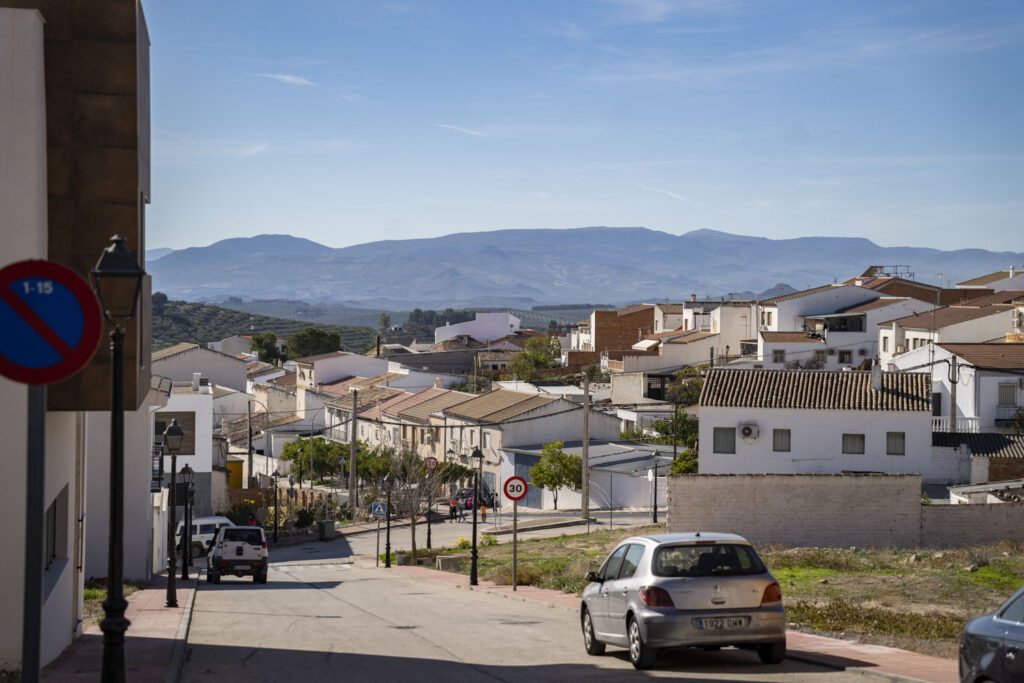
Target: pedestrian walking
(483, 512)
(453, 506)
(462, 509)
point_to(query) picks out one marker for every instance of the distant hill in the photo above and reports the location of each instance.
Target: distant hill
(524, 268)
(183, 321)
(156, 254)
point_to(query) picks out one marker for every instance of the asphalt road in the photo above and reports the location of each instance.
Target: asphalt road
(336, 621)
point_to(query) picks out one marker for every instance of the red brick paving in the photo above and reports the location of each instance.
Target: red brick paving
(149, 643)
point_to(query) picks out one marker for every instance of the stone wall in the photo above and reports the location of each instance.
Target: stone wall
(879, 510)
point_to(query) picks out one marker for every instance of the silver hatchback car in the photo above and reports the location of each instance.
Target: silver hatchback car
(683, 590)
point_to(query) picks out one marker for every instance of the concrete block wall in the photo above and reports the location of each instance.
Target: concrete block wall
(950, 526)
(800, 510)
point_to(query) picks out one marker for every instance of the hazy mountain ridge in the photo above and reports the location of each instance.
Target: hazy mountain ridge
(525, 267)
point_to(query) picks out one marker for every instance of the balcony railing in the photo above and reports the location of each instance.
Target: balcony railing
(1007, 412)
(970, 425)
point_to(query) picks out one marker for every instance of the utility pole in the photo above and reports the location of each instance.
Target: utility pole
(353, 495)
(953, 380)
(248, 423)
(585, 506)
(712, 363)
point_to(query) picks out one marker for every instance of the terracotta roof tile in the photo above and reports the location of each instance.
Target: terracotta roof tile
(421, 413)
(173, 350)
(792, 338)
(483, 407)
(815, 390)
(983, 280)
(797, 295)
(948, 315)
(991, 356)
(982, 445)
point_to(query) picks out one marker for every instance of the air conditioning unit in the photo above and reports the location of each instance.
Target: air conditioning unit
(749, 431)
(831, 352)
(901, 349)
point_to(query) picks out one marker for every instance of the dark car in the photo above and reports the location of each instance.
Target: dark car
(992, 646)
(467, 495)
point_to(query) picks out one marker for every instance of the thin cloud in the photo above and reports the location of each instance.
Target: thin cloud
(667, 193)
(465, 131)
(289, 79)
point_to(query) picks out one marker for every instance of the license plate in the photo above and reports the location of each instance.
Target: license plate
(721, 623)
(242, 566)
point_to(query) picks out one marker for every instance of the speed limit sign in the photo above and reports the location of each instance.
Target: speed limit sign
(515, 488)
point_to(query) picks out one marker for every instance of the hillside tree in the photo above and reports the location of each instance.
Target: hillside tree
(311, 342)
(265, 344)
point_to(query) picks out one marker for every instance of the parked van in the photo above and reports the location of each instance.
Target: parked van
(203, 531)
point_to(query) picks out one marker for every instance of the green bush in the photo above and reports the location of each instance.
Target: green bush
(304, 518)
(527, 575)
(463, 543)
(487, 540)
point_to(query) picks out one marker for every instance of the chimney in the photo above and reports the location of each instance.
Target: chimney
(876, 376)
(693, 297)
(204, 386)
(195, 380)
(1012, 271)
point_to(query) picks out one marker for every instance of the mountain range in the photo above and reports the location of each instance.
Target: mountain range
(526, 267)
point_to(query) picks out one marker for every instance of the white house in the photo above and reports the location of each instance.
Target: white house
(1001, 280)
(485, 328)
(787, 313)
(181, 361)
(327, 368)
(817, 422)
(947, 324)
(668, 317)
(191, 404)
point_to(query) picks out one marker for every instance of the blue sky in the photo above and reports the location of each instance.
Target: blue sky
(348, 122)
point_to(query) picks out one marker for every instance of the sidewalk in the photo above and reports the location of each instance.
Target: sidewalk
(154, 644)
(875, 660)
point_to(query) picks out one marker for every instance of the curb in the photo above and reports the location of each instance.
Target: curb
(502, 531)
(181, 640)
(870, 673)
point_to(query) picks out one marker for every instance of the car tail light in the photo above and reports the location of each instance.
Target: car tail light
(653, 596)
(263, 545)
(772, 593)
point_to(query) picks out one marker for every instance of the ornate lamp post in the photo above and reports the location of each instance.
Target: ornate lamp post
(476, 455)
(117, 281)
(173, 436)
(187, 477)
(389, 483)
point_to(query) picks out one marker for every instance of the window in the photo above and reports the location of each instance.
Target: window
(780, 440)
(936, 404)
(845, 357)
(1007, 394)
(895, 443)
(1014, 611)
(769, 317)
(885, 344)
(853, 444)
(719, 559)
(778, 356)
(631, 561)
(724, 440)
(612, 565)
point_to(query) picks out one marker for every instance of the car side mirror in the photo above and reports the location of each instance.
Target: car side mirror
(594, 577)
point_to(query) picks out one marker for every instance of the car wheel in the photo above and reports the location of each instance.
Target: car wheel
(640, 654)
(772, 653)
(590, 641)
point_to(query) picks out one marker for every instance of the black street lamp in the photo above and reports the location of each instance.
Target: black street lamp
(389, 482)
(276, 475)
(477, 455)
(173, 436)
(187, 477)
(430, 502)
(117, 281)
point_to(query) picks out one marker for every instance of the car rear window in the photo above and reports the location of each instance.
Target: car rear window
(720, 559)
(250, 536)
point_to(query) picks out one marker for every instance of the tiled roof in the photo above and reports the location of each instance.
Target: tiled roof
(485, 406)
(667, 333)
(521, 408)
(306, 360)
(815, 390)
(791, 338)
(237, 431)
(877, 303)
(797, 295)
(1004, 297)
(983, 280)
(285, 381)
(173, 350)
(878, 283)
(423, 411)
(948, 315)
(635, 309)
(670, 308)
(255, 368)
(497, 356)
(997, 356)
(380, 408)
(691, 336)
(366, 398)
(982, 445)
(414, 400)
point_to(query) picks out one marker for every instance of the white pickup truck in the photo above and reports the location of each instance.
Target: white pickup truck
(240, 551)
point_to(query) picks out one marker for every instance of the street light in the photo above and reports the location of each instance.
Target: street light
(173, 437)
(478, 455)
(276, 475)
(117, 281)
(186, 477)
(389, 482)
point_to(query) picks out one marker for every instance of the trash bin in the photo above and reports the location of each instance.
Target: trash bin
(326, 527)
